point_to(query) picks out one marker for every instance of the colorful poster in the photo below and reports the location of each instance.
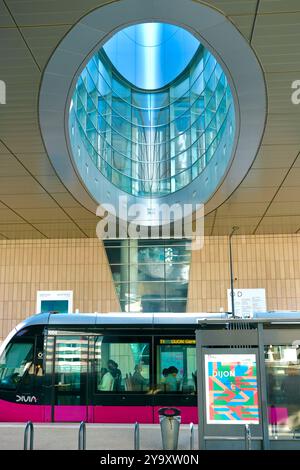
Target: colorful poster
(231, 389)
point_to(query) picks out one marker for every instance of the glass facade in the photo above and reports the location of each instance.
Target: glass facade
(150, 276)
(283, 388)
(152, 142)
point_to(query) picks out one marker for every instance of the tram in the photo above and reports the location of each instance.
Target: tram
(100, 368)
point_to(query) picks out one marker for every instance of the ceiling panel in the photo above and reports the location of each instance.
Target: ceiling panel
(280, 91)
(19, 185)
(234, 7)
(9, 166)
(244, 24)
(282, 128)
(209, 223)
(80, 214)
(281, 224)
(39, 199)
(286, 208)
(8, 216)
(42, 41)
(297, 162)
(45, 12)
(250, 209)
(252, 195)
(38, 164)
(276, 39)
(29, 201)
(5, 18)
(88, 226)
(223, 226)
(288, 194)
(278, 6)
(60, 230)
(43, 214)
(293, 178)
(52, 184)
(265, 178)
(276, 156)
(66, 200)
(19, 231)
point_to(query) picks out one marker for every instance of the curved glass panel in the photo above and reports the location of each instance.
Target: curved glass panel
(152, 143)
(151, 55)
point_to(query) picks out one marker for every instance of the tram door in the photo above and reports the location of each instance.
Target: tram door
(69, 378)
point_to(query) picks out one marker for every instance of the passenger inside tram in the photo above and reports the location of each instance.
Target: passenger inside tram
(138, 381)
(171, 381)
(106, 380)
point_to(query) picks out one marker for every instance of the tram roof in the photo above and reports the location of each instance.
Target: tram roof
(90, 319)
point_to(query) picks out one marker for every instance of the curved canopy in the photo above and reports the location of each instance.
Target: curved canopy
(151, 55)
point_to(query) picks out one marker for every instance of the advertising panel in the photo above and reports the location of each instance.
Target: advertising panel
(231, 389)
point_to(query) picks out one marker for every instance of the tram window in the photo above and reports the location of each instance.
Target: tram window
(121, 366)
(176, 366)
(70, 363)
(283, 385)
(16, 363)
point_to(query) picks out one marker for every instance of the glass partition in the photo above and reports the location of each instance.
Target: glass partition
(283, 389)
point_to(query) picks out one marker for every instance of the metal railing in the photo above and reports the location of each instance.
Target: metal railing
(28, 433)
(247, 437)
(82, 436)
(191, 436)
(29, 436)
(136, 436)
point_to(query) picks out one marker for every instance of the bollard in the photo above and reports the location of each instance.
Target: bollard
(247, 437)
(191, 436)
(82, 436)
(28, 429)
(136, 436)
(169, 419)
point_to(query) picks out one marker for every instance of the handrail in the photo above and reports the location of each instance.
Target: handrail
(136, 436)
(82, 436)
(191, 436)
(29, 429)
(247, 437)
(230, 438)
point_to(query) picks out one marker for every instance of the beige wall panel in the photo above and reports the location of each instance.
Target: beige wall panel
(261, 261)
(30, 265)
(268, 261)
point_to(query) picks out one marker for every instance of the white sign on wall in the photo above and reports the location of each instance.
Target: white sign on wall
(60, 301)
(247, 301)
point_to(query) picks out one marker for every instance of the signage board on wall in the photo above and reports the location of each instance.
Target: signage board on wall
(247, 301)
(231, 389)
(60, 301)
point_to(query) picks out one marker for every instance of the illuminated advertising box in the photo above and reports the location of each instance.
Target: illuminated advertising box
(231, 389)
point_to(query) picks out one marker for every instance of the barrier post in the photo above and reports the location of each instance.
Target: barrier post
(136, 436)
(82, 436)
(29, 429)
(191, 436)
(247, 437)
